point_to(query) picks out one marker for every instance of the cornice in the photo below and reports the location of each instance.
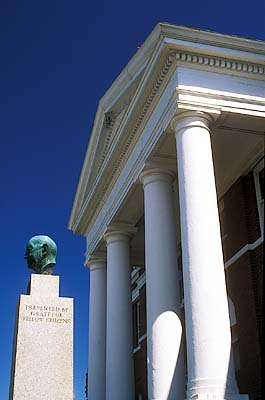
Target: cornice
(211, 39)
(88, 162)
(134, 67)
(220, 63)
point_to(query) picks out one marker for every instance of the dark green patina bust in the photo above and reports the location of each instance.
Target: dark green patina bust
(41, 254)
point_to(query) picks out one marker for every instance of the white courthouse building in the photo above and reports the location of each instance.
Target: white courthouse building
(171, 202)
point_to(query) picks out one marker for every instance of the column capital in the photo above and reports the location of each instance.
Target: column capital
(97, 260)
(119, 231)
(191, 119)
(155, 172)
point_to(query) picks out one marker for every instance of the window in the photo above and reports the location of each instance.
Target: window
(261, 184)
(234, 335)
(136, 323)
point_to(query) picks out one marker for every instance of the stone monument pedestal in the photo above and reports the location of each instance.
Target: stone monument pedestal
(42, 367)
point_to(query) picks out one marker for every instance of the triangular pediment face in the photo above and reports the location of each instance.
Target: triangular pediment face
(112, 120)
(111, 112)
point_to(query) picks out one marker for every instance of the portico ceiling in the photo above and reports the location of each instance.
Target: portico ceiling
(237, 144)
(234, 141)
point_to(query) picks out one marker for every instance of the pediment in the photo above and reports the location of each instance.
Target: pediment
(112, 120)
(111, 112)
(119, 125)
(125, 108)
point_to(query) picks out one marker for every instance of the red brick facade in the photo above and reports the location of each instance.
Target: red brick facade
(240, 226)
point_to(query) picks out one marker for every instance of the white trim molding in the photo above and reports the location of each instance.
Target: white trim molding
(260, 201)
(243, 250)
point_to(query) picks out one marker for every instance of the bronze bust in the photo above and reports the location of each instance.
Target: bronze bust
(41, 254)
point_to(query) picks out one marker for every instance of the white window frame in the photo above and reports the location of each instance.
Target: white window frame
(234, 335)
(138, 328)
(260, 201)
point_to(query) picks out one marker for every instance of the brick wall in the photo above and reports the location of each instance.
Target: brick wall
(240, 291)
(240, 226)
(239, 218)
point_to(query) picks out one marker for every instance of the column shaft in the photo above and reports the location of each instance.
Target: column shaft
(206, 309)
(119, 355)
(97, 331)
(166, 378)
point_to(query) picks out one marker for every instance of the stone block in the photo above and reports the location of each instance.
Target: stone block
(42, 365)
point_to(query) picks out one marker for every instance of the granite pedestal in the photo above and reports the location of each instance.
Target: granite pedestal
(42, 367)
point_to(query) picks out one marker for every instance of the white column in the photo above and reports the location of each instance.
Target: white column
(97, 330)
(119, 354)
(206, 308)
(165, 362)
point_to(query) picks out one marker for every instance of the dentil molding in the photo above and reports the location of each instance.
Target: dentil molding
(219, 62)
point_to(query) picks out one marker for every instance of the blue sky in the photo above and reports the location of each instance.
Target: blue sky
(58, 57)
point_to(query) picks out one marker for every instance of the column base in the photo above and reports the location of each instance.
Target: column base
(217, 396)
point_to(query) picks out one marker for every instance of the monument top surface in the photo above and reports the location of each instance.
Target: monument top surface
(41, 254)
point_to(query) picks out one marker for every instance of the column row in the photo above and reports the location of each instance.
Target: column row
(207, 331)
(111, 369)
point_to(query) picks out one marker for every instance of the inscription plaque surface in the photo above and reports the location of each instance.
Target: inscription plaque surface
(43, 345)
